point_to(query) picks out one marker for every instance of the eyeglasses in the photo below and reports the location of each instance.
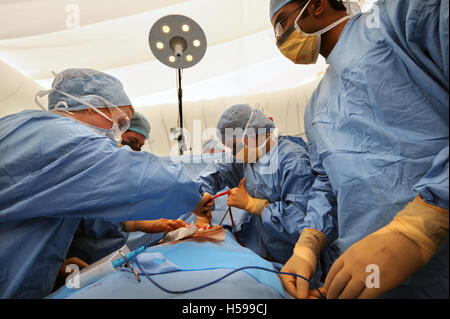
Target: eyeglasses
(118, 116)
(122, 120)
(279, 26)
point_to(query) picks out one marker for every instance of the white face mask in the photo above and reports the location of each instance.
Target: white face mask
(251, 152)
(120, 121)
(113, 133)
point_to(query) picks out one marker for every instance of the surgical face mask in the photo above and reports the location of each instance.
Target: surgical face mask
(244, 155)
(120, 121)
(251, 154)
(111, 133)
(301, 47)
(247, 148)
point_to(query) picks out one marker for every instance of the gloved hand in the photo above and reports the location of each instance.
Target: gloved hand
(303, 262)
(153, 226)
(398, 250)
(204, 208)
(204, 221)
(240, 198)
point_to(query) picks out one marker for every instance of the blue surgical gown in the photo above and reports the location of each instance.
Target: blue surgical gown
(284, 177)
(55, 171)
(377, 126)
(298, 140)
(96, 238)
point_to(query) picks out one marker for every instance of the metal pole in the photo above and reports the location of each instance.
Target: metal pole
(180, 113)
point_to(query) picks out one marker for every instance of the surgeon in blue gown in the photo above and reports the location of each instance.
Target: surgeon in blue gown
(273, 184)
(96, 238)
(377, 127)
(58, 167)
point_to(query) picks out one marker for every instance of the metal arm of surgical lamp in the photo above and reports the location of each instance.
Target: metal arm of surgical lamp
(180, 43)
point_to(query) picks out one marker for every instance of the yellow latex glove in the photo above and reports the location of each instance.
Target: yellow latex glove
(204, 221)
(204, 208)
(303, 262)
(398, 250)
(240, 198)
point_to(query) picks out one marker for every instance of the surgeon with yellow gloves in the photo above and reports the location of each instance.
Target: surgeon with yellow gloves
(377, 127)
(398, 250)
(270, 178)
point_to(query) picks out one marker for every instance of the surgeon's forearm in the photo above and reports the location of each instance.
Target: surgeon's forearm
(256, 206)
(322, 208)
(145, 226)
(310, 246)
(129, 226)
(423, 224)
(210, 183)
(312, 239)
(433, 186)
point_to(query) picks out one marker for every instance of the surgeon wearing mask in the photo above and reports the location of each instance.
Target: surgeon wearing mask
(62, 165)
(138, 132)
(270, 178)
(212, 146)
(377, 127)
(96, 238)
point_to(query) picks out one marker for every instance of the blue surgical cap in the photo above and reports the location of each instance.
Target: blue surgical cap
(237, 116)
(276, 5)
(139, 124)
(87, 82)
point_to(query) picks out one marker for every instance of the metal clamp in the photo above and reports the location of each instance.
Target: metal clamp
(128, 264)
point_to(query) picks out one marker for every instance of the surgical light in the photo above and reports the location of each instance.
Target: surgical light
(180, 43)
(178, 36)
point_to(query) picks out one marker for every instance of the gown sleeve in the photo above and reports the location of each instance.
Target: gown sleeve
(433, 187)
(68, 171)
(299, 185)
(220, 175)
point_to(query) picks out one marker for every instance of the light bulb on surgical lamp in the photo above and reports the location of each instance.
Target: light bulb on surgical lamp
(180, 43)
(185, 28)
(165, 29)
